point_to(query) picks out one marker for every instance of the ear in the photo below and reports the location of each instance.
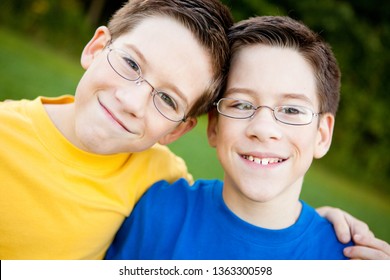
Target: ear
(180, 130)
(98, 42)
(212, 128)
(324, 135)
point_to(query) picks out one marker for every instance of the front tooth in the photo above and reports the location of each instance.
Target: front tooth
(264, 161)
(257, 160)
(250, 158)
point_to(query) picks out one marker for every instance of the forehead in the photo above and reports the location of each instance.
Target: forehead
(272, 72)
(170, 53)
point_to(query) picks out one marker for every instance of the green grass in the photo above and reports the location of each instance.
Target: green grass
(30, 69)
(323, 187)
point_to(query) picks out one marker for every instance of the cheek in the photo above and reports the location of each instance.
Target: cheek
(99, 72)
(86, 85)
(303, 142)
(157, 126)
(228, 135)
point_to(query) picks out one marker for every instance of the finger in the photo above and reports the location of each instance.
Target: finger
(365, 253)
(373, 243)
(358, 227)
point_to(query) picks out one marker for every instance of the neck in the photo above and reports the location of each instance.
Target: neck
(62, 115)
(277, 213)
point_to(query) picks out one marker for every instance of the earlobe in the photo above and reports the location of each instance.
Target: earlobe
(98, 42)
(324, 135)
(179, 131)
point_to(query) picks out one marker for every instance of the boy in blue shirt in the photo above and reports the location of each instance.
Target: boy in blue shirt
(277, 114)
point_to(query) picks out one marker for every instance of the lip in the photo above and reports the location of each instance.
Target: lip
(113, 117)
(263, 159)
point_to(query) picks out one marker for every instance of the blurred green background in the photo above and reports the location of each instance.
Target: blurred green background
(41, 42)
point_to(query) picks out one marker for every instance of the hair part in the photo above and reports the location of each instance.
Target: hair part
(283, 31)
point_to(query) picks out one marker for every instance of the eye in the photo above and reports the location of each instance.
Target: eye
(292, 110)
(132, 64)
(241, 105)
(167, 100)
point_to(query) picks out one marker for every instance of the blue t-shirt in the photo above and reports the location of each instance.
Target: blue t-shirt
(179, 221)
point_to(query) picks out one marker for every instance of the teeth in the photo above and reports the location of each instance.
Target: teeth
(263, 161)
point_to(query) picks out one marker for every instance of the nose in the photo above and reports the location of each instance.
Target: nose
(263, 125)
(135, 98)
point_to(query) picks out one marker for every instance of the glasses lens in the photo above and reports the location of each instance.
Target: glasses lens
(235, 108)
(124, 65)
(296, 115)
(168, 106)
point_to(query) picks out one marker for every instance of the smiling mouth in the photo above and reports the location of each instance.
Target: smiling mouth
(263, 161)
(113, 117)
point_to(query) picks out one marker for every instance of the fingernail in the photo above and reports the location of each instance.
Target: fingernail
(347, 251)
(346, 238)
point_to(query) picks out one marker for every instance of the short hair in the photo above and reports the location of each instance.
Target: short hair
(283, 31)
(208, 21)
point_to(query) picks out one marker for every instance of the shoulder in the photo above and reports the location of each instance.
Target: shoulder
(167, 205)
(14, 105)
(179, 193)
(320, 235)
(309, 214)
(319, 226)
(170, 166)
(14, 112)
(162, 152)
(182, 186)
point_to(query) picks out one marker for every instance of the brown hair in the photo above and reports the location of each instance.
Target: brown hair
(282, 31)
(208, 20)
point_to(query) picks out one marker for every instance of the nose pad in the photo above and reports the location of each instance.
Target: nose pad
(139, 81)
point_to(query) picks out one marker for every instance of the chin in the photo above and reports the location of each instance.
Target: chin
(259, 195)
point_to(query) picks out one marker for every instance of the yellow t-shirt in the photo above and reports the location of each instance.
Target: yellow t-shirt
(59, 202)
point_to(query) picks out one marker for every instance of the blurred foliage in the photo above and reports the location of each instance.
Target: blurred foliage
(358, 30)
(61, 23)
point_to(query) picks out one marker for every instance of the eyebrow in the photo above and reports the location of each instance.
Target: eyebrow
(298, 97)
(284, 96)
(137, 51)
(144, 61)
(239, 90)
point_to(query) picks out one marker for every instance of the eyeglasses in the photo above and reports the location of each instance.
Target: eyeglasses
(126, 67)
(288, 114)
